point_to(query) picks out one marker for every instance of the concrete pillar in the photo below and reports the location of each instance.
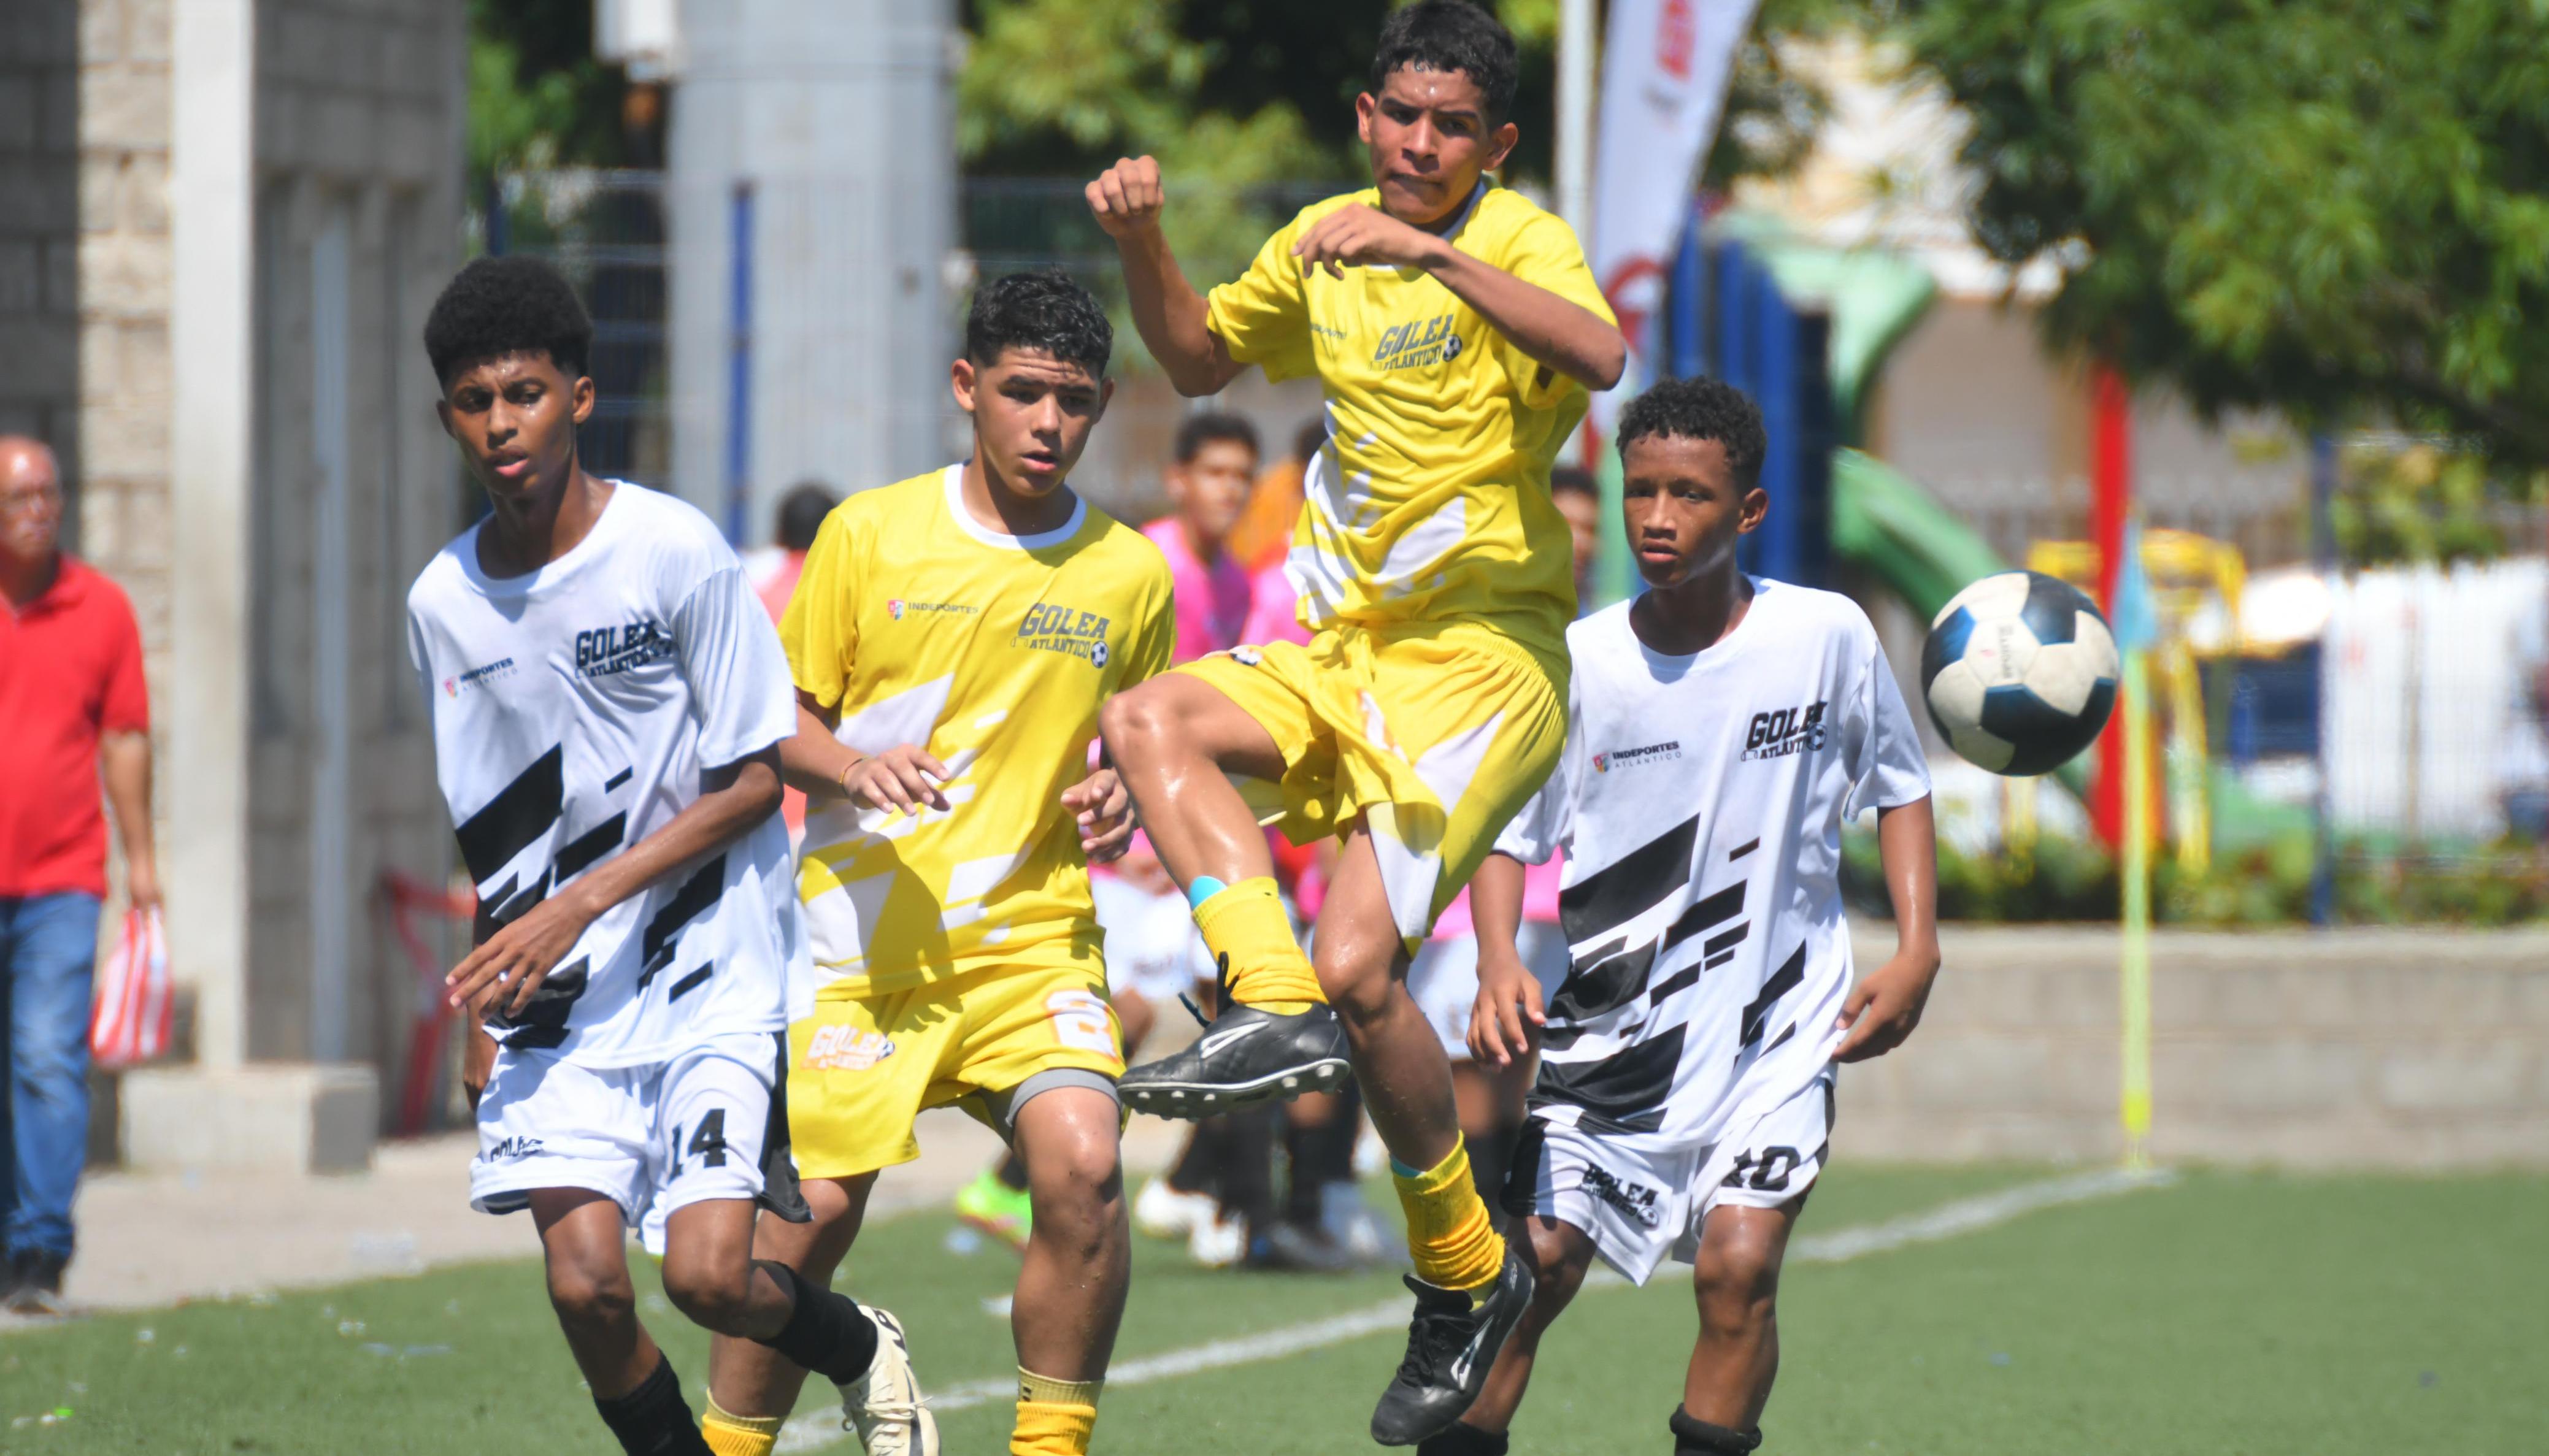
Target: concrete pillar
(837, 117)
(212, 190)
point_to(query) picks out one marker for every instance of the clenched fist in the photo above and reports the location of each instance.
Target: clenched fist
(1126, 197)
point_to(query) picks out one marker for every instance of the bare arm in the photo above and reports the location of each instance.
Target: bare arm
(517, 957)
(125, 755)
(1557, 334)
(1884, 1007)
(903, 777)
(1502, 1024)
(1167, 310)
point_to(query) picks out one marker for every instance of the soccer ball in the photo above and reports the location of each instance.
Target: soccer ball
(2019, 673)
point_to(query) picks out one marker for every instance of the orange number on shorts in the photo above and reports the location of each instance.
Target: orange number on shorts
(1081, 1019)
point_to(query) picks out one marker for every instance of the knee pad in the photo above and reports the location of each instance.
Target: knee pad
(1699, 1438)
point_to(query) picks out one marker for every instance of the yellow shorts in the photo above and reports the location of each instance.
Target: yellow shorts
(1433, 743)
(861, 1071)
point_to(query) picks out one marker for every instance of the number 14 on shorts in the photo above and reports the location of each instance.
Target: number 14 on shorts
(708, 1141)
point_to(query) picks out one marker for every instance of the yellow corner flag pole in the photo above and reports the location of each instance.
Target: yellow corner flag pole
(2136, 1108)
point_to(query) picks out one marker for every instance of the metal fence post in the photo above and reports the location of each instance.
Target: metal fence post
(738, 382)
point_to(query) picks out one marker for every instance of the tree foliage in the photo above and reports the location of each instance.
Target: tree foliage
(2335, 207)
(537, 96)
(1239, 91)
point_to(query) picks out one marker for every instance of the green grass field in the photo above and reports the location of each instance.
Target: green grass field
(2227, 1312)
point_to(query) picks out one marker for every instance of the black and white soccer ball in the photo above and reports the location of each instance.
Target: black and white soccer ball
(2019, 673)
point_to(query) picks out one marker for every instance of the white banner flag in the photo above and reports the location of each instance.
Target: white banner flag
(1665, 64)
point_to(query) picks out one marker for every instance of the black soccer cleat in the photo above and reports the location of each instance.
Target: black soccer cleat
(1451, 1345)
(1245, 1056)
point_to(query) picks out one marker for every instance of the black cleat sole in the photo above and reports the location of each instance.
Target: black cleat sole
(1187, 1102)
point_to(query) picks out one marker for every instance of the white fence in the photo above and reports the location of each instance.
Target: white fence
(2423, 685)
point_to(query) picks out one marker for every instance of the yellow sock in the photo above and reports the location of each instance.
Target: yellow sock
(1450, 1233)
(1056, 1418)
(729, 1435)
(1246, 921)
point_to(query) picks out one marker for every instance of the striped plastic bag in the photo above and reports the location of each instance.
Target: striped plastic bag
(131, 1023)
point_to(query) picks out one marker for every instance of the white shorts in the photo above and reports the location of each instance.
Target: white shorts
(1152, 948)
(1444, 979)
(1640, 1201)
(711, 1124)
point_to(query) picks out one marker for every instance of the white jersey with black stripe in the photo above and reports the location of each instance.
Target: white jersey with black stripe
(575, 710)
(1700, 802)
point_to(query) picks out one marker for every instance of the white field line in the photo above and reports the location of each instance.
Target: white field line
(817, 1430)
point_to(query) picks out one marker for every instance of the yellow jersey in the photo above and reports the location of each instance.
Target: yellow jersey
(1429, 502)
(921, 626)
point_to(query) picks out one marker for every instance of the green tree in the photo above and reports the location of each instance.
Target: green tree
(1240, 91)
(2334, 207)
(538, 97)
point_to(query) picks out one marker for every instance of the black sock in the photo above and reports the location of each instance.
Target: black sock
(1693, 1438)
(1011, 1172)
(1247, 1174)
(825, 1333)
(1199, 1167)
(1463, 1439)
(653, 1420)
(1489, 1158)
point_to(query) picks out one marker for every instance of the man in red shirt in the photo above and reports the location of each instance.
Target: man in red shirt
(72, 699)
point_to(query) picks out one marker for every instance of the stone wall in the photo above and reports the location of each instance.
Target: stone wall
(123, 269)
(2348, 1049)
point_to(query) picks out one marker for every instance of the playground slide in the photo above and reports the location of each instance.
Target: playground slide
(1885, 524)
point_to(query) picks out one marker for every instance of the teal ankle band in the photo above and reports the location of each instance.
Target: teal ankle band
(1203, 889)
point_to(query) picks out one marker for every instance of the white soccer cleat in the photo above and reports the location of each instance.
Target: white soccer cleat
(885, 1406)
(1163, 1212)
(1218, 1243)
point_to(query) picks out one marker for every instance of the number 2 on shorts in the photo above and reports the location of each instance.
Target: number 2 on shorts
(1081, 1019)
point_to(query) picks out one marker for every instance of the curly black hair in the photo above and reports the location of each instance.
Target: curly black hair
(506, 306)
(1700, 408)
(1205, 426)
(1043, 310)
(1451, 35)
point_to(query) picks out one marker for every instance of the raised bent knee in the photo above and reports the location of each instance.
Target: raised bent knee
(1136, 721)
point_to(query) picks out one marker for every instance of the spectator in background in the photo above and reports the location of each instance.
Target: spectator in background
(1264, 532)
(1579, 499)
(72, 698)
(775, 568)
(773, 571)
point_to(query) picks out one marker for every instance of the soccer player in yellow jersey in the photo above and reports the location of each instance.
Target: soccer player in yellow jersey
(952, 638)
(1456, 329)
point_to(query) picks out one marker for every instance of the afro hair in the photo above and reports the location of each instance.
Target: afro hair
(1700, 408)
(1451, 35)
(1042, 311)
(497, 307)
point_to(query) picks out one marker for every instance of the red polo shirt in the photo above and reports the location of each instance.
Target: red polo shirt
(71, 669)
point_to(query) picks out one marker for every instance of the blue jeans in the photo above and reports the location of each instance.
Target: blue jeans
(47, 953)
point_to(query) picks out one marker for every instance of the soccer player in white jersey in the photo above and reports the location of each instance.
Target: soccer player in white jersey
(608, 701)
(1721, 730)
